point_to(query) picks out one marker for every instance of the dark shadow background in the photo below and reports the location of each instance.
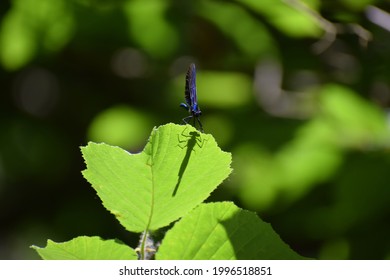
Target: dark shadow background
(297, 90)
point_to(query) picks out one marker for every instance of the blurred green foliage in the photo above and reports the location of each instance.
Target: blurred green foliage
(297, 90)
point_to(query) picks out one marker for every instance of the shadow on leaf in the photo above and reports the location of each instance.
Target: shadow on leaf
(189, 143)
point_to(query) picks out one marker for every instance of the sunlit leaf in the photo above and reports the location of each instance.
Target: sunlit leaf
(222, 231)
(86, 248)
(176, 171)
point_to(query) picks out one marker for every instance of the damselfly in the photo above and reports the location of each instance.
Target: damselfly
(191, 99)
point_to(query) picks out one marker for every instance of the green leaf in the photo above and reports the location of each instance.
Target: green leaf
(86, 248)
(222, 231)
(177, 170)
